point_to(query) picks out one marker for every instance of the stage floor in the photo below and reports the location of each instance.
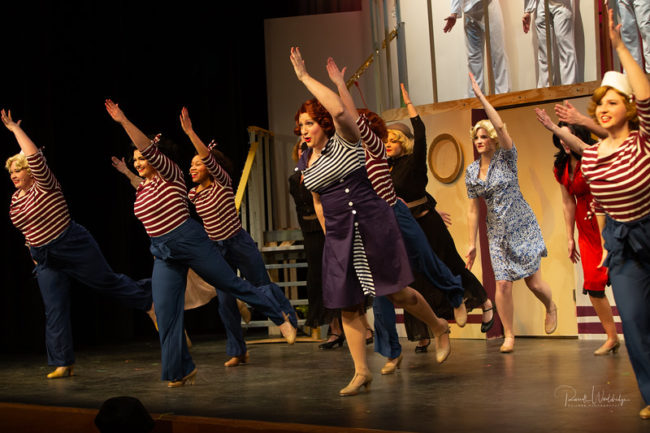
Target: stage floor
(547, 384)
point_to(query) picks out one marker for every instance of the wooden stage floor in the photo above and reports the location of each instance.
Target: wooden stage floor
(546, 385)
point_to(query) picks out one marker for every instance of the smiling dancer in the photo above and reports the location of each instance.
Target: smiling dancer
(177, 243)
(61, 249)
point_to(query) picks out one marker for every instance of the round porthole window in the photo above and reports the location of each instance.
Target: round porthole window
(446, 158)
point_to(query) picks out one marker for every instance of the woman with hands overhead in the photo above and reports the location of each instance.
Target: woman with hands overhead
(62, 250)
(617, 170)
(514, 237)
(177, 243)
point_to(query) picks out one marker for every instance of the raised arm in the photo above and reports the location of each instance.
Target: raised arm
(570, 114)
(504, 138)
(344, 121)
(636, 75)
(138, 138)
(337, 77)
(186, 124)
(120, 165)
(571, 140)
(26, 144)
(407, 101)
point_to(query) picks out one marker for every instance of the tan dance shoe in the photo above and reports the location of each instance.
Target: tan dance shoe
(391, 365)
(550, 321)
(189, 379)
(61, 372)
(645, 413)
(244, 311)
(360, 380)
(236, 360)
(288, 331)
(605, 349)
(443, 346)
(460, 315)
(508, 345)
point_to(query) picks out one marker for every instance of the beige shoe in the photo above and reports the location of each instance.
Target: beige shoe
(244, 311)
(189, 379)
(645, 413)
(391, 365)
(605, 349)
(236, 360)
(288, 331)
(60, 372)
(508, 345)
(360, 380)
(550, 322)
(443, 346)
(460, 315)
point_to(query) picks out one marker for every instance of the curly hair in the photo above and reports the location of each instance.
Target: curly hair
(376, 123)
(318, 113)
(630, 106)
(402, 139)
(489, 128)
(21, 162)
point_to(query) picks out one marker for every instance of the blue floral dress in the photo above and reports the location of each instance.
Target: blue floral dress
(514, 236)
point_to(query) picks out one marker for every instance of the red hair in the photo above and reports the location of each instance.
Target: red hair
(318, 113)
(376, 123)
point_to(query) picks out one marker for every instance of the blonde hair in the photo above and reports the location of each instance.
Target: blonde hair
(21, 162)
(489, 128)
(404, 141)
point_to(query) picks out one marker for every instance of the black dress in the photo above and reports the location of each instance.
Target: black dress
(314, 240)
(410, 177)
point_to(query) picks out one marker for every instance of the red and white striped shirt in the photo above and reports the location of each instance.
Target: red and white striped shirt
(161, 203)
(216, 203)
(42, 213)
(376, 163)
(620, 182)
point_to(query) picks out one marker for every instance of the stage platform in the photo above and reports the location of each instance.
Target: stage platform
(546, 385)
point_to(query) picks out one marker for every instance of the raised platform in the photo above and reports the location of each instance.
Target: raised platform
(545, 385)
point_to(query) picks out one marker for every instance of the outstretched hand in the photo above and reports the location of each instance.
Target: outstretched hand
(567, 113)
(477, 89)
(186, 122)
(614, 31)
(450, 22)
(405, 94)
(114, 111)
(119, 165)
(298, 63)
(544, 119)
(336, 75)
(8, 121)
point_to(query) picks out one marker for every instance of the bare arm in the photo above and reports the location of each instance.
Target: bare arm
(186, 124)
(120, 165)
(26, 144)
(344, 121)
(504, 138)
(472, 223)
(337, 76)
(569, 114)
(571, 140)
(138, 138)
(569, 209)
(636, 75)
(407, 100)
(318, 207)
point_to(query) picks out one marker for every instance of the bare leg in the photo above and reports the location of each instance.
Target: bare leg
(503, 298)
(604, 312)
(413, 302)
(542, 291)
(355, 333)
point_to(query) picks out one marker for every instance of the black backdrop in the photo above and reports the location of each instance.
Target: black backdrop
(59, 61)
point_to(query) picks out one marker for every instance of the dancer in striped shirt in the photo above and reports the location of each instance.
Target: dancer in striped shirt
(617, 170)
(61, 249)
(364, 253)
(177, 243)
(215, 203)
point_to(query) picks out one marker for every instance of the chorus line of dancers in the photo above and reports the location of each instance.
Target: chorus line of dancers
(372, 232)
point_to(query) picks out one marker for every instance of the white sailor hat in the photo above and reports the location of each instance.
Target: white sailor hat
(617, 81)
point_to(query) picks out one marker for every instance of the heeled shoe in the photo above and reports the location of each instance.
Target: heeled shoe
(550, 321)
(486, 326)
(422, 349)
(602, 350)
(371, 339)
(236, 360)
(508, 345)
(189, 379)
(392, 365)
(645, 413)
(187, 340)
(61, 372)
(288, 331)
(443, 350)
(328, 345)
(358, 381)
(244, 312)
(460, 315)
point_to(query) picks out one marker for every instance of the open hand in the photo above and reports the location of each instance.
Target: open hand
(450, 22)
(445, 217)
(405, 94)
(544, 119)
(477, 90)
(567, 113)
(614, 31)
(298, 63)
(119, 165)
(8, 121)
(336, 75)
(186, 122)
(114, 111)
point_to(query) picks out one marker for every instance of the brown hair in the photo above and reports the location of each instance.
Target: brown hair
(318, 113)
(630, 106)
(376, 123)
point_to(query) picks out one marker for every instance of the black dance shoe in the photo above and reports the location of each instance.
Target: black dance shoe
(328, 345)
(486, 326)
(422, 349)
(370, 339)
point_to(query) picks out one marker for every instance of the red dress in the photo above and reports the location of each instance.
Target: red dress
(591, 250)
